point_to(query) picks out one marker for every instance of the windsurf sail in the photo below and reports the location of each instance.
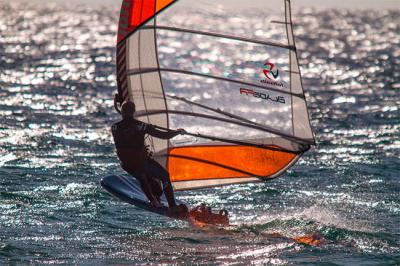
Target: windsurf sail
(226, 71)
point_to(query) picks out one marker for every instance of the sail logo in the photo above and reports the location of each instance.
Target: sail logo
(270, 70)
(264, 96)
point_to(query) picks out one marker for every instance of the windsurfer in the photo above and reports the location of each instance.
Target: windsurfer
(129, 135)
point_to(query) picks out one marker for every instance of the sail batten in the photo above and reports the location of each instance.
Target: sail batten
(234, 83)
(141, 71)
(218, 35)
(149, 113)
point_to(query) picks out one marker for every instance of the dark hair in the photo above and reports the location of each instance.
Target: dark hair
(128, 108)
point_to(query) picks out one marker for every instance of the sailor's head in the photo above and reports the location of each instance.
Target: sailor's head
(127, 109)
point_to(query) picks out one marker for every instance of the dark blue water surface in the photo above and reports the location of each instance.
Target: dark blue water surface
(57, 78)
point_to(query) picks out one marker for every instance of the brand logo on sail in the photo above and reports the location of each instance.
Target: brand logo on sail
(264, 96)
(271, 71)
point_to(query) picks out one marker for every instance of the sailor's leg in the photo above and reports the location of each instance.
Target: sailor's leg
(144, 184)
(169, 194)
(155, 170)
(141, 177)
(156, 187)
(153, 183)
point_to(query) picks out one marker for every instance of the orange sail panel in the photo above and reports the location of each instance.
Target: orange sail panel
(135, 13)
(213, 162)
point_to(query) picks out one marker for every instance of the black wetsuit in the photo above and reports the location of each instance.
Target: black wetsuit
(129, 136)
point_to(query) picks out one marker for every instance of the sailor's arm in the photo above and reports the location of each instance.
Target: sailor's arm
(163, 134)
(117, 102)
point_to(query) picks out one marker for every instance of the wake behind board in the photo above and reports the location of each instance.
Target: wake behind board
(128, 190)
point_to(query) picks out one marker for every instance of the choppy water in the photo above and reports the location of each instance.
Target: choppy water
(57, 76)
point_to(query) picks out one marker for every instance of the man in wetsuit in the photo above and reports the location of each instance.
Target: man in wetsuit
(129, 135)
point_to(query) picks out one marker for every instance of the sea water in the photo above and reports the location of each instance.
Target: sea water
(57, 79)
